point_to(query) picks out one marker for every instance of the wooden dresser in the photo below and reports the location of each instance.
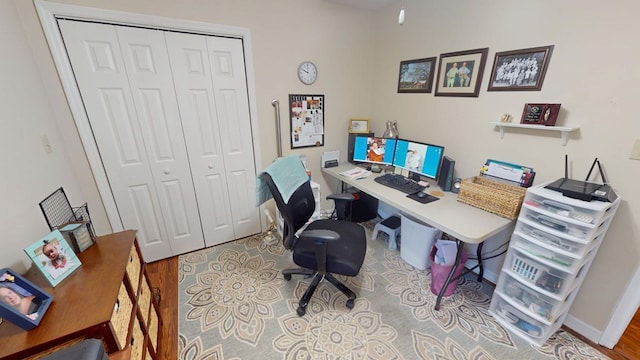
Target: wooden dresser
(109, 297)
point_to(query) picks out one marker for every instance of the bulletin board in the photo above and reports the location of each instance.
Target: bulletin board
(306, 120)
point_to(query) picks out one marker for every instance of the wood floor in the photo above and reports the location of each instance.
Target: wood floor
(164, 275)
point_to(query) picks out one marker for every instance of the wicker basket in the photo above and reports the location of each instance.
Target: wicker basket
(492, 196)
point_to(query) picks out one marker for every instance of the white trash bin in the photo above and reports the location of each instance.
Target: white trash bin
(416, 241)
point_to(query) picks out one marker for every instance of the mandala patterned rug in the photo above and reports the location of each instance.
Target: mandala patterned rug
(235, 304)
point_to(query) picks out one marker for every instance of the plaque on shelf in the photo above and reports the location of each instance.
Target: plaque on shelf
(540, 114)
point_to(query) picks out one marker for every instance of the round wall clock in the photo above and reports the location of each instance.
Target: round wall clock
(307, 72)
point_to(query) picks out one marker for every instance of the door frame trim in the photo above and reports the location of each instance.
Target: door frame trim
(49, 12)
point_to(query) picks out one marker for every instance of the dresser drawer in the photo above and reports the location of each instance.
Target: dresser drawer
(134, 267)
(154, 326)
(121, 316)
(144, 301)
(138, 349)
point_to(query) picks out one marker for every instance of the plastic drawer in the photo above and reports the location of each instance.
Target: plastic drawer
(548, 254)
(561, 208)
(556, 225)
(544, 279)
(559, 241)
(521, 324)
(528, 300)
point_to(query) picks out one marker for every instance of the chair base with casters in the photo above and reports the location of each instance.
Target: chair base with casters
(324, 247)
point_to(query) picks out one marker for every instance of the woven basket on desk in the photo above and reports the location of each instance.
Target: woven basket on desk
(492, 196)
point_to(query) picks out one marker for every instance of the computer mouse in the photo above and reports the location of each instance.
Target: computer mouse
(421, 194)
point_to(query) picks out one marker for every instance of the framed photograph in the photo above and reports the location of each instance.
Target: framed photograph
(358, 126)
(540, 114)
(307, 120)
(21, 302)
(520, 70)
(54, 257)
(416, 76)
(460, 73)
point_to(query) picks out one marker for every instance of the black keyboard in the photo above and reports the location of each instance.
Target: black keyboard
(399, 182)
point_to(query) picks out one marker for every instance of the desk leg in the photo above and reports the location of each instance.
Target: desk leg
(480, 267)
(451, 273)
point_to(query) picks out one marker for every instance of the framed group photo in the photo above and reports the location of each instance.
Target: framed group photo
(520, 70)
(416, 76)
(54, 257)
(307, 120)
(460, 73)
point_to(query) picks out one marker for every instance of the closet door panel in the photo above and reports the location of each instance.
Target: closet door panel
(149, 73)
(230, 91)
(96, 59)
(198, 110)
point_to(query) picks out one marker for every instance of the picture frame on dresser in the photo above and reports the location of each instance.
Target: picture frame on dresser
(54, 257)
(21, 302)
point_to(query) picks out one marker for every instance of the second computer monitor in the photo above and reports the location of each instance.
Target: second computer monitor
(374, 150)
(419, 158)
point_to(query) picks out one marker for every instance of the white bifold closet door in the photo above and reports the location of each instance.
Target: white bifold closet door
(169, 113)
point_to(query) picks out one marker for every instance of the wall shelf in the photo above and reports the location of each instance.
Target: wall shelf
(564, 131)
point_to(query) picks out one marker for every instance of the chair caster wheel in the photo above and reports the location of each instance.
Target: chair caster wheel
(301, 311)
(287, 277)
(350, 303)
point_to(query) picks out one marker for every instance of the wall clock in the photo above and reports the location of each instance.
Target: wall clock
(307, 72)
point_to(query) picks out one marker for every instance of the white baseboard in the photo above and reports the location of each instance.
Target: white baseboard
(488, 274)
(582, 328)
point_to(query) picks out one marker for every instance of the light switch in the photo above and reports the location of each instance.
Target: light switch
(635, 151)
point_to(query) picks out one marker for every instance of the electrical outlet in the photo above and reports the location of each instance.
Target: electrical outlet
(45, 143)
(635, 151)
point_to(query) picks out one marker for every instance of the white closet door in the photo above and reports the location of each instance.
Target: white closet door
(194, 89)
(210, 81)
(136, 126)
(230, 91)
(147, 63)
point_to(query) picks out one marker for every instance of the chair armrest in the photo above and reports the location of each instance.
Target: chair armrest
(342, 201)
(319, 235)
(341, 196)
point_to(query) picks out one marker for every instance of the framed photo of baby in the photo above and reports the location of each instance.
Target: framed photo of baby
(21, 302)
(54, 257)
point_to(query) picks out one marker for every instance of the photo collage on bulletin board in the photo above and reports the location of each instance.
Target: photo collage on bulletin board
(307, 120)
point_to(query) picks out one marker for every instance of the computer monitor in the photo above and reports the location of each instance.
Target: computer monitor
(419, 158)
(373, 150)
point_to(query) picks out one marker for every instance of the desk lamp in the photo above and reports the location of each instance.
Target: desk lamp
(391, 132)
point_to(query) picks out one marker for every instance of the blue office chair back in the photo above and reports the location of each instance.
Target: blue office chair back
(296, 212)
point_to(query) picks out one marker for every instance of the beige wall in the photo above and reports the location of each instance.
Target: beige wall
(358, 54)
(591, 40)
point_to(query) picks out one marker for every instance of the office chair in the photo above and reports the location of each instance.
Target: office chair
(324, 248)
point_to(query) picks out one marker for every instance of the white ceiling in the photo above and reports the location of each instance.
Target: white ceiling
(366, 4)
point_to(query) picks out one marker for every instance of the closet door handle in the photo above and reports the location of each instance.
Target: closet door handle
(210, 166)
(167, 171)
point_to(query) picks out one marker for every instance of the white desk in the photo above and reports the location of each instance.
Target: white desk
(466, 223)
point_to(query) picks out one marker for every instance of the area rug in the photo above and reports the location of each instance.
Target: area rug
(235, 304)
